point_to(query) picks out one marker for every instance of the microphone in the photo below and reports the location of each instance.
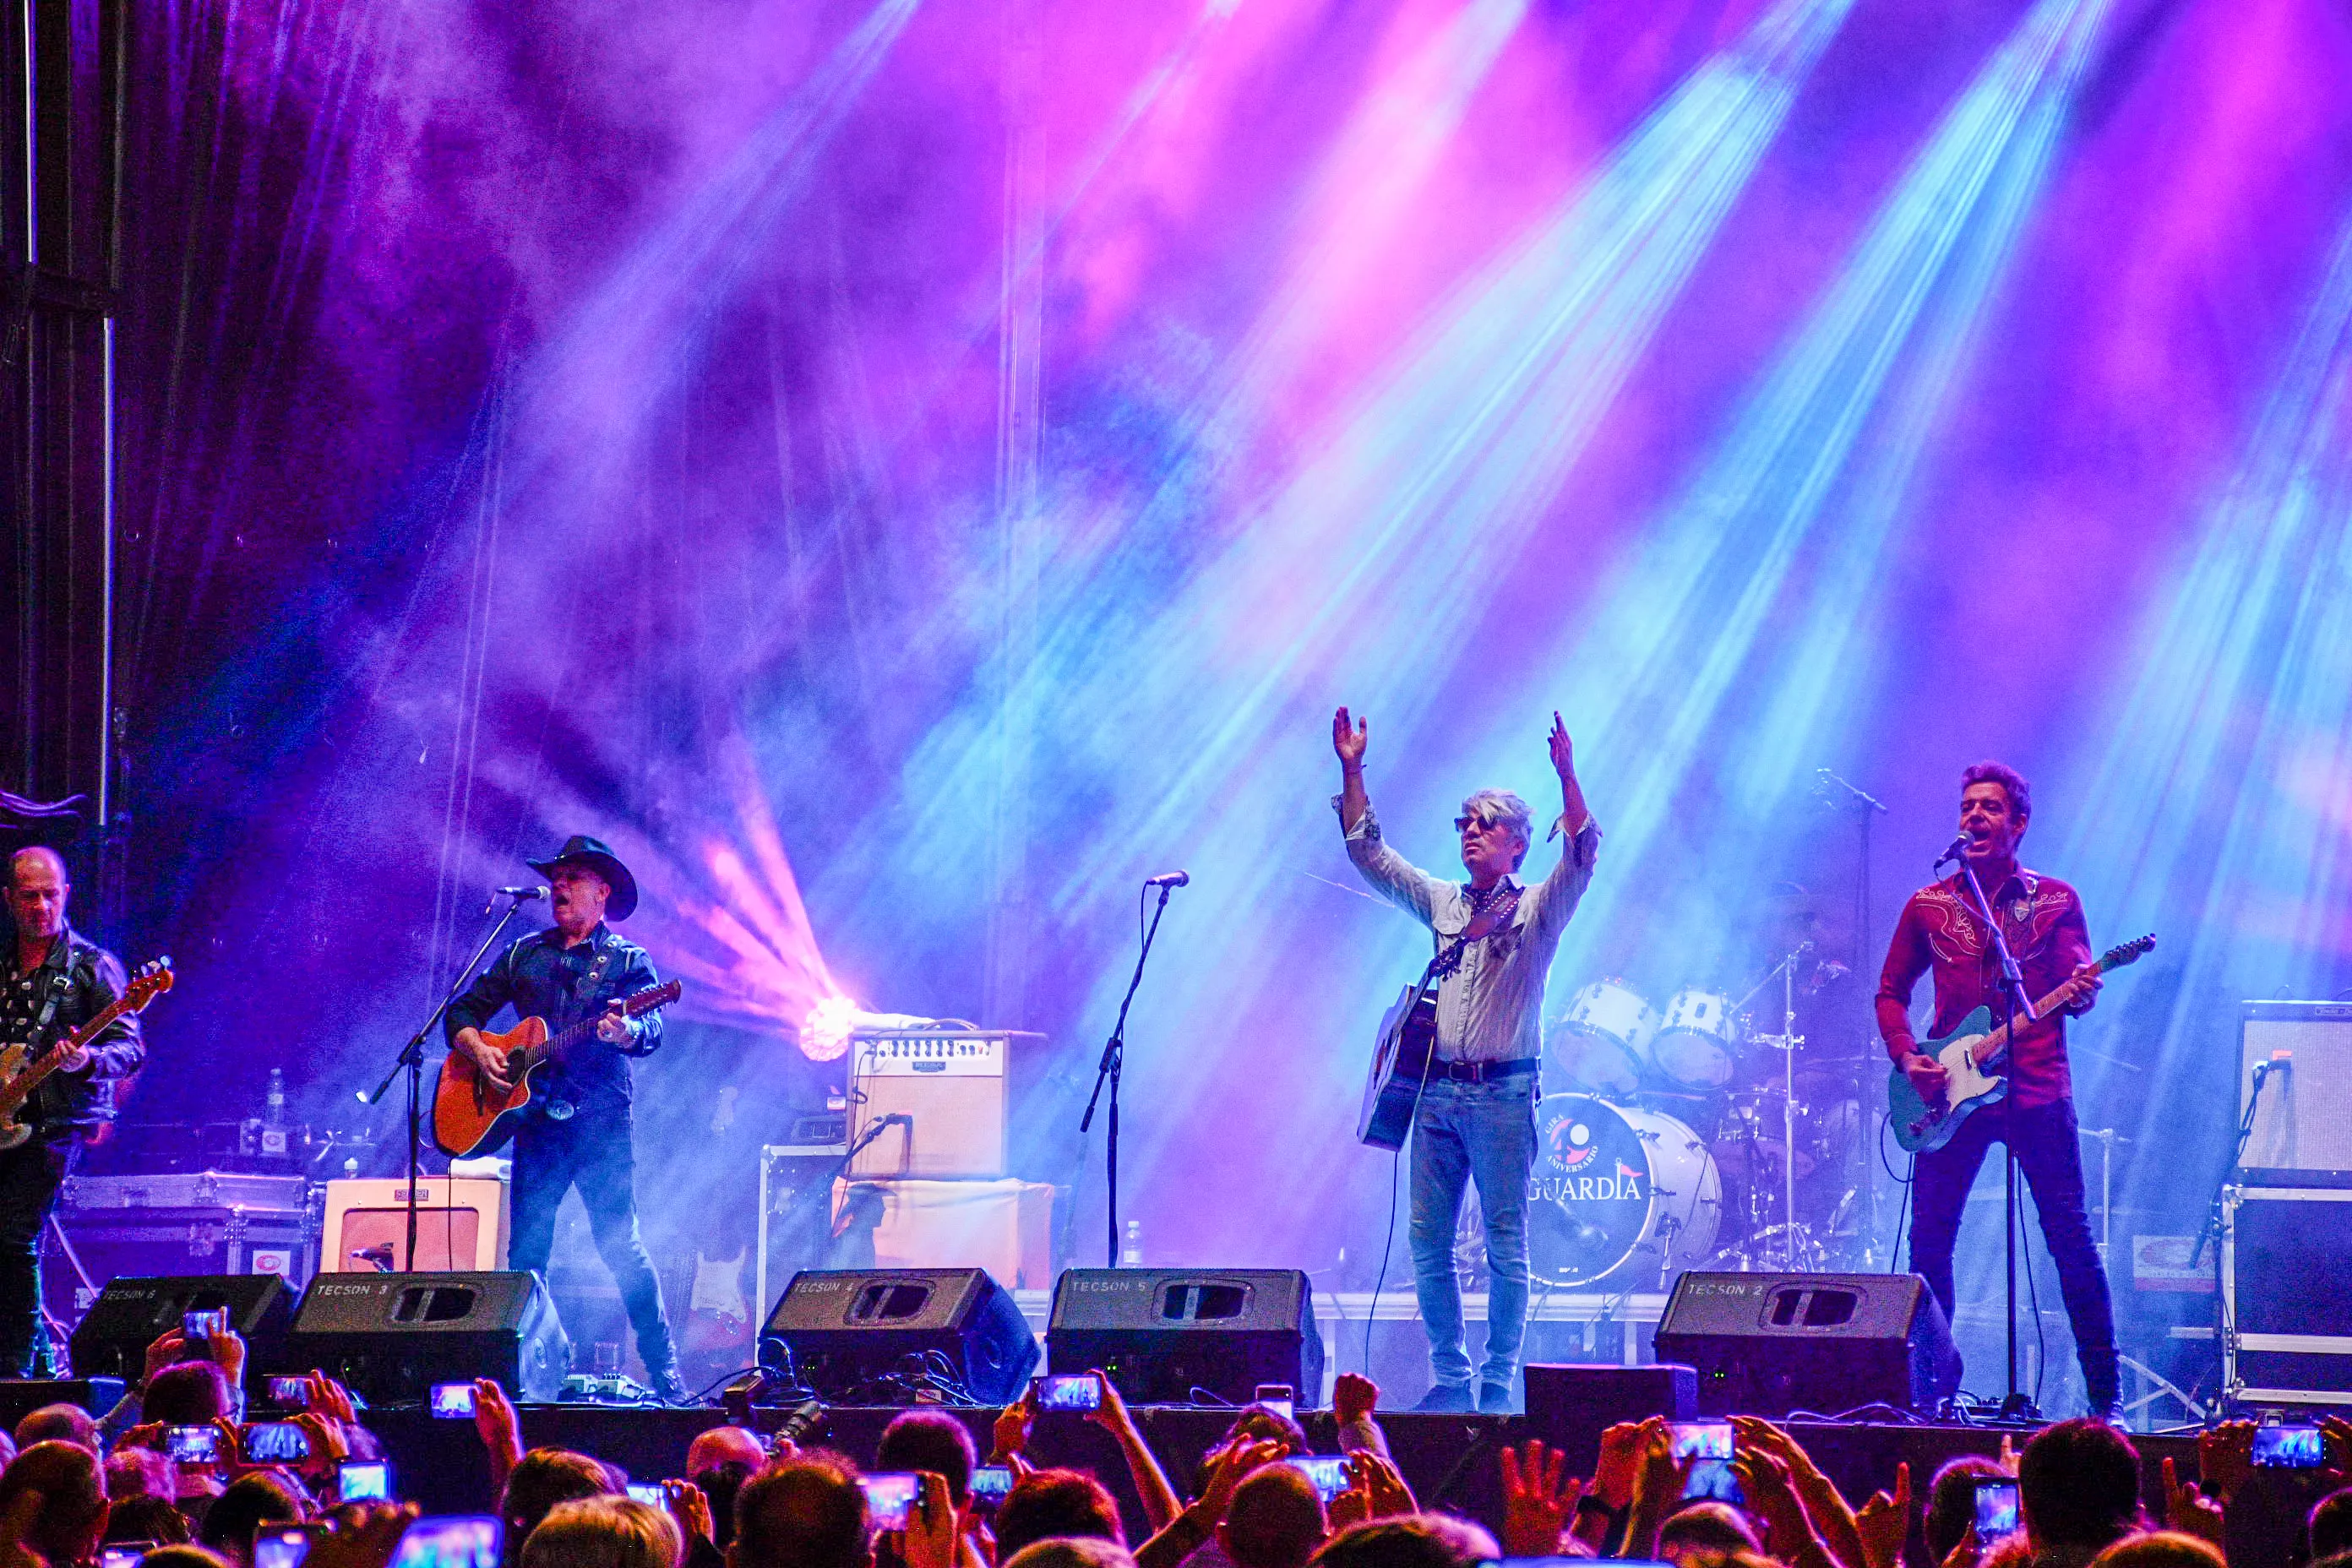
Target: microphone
(525, 894)
(381, 1255)
(1958, 847)
(1169, 879)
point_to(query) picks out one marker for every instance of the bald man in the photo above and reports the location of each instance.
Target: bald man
(56, 981)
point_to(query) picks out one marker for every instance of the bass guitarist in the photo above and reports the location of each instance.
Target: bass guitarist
(58, 980)
(577, 1130)
(1942, 929)
(1476, 1116)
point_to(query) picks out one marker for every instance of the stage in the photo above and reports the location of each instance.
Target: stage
(1450, 1460)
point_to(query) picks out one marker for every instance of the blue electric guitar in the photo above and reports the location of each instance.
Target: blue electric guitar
(1968, 1056)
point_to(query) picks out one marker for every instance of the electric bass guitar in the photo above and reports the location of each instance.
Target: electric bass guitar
(22, 1076)
(1407, 1040)
(1966, 1056)
(470, 1119)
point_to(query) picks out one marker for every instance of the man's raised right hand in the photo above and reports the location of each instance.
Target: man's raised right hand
(1349, 739)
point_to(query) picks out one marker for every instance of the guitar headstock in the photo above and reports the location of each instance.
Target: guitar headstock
(661, 996)
(155, 978)
(2131, 951)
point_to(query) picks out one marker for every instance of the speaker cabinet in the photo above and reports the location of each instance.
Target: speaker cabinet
(393, 1336)
(2302, 1137)
(1159, 1333)
(1767, 1345)
(461, 1222)
(131, 1314)
(852, 1334)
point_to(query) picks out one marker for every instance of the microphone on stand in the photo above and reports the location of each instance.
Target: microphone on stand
(1958, 848)
(381, 1255)
(519, 895)
(1169, 879)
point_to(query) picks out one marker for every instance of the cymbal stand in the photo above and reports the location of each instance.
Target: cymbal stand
(1786, 1042)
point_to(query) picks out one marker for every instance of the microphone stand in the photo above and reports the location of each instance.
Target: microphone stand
(411, 1061)
(2013, 1001)
(1114, 1059)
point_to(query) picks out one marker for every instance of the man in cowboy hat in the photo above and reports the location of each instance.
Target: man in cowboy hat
(576, 1131)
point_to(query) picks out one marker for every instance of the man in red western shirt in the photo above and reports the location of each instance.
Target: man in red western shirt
(1943, 929)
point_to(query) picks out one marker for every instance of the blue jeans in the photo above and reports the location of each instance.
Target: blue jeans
(1464, 1132)
(2050, 1156)
(595, 1153)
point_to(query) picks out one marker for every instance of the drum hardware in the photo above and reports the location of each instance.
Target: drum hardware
(1786, 1042)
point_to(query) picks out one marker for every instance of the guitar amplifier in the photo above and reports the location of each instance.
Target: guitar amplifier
(940, 1098)
(461, 1222)
(2302, 1137)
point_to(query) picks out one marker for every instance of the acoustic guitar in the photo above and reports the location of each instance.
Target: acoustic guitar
(22, 1078)
(1408, 1038)
(1968, 1055)
(470, 1119)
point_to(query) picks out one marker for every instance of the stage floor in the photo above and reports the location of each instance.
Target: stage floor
(1450, 1460)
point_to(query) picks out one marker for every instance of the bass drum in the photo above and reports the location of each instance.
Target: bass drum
(1603, 1041)
(1620, 1196)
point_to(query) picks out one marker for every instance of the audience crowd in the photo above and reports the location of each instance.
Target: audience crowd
(143, 1486)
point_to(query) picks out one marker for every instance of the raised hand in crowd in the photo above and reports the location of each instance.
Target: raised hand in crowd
(1884, 1522)
(691, 1509)
(932, 1538)
(1606, 1501)
(1009, 1444)
(501, 1429)
(1537, 1499)
(1111, 1414)
(1196, 1525)
(2187, 1507)
(1826, 1507)
(2225, 1459)
(1772, 1497)
(1375, 1490)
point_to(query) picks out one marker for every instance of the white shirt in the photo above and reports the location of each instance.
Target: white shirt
(1491, 1007)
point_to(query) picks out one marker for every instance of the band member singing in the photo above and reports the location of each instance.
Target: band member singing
(1475, 1117)
(56, 981)
(1942, 929)
(577, 1131)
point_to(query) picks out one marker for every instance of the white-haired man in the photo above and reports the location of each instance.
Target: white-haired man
(1475, 1117)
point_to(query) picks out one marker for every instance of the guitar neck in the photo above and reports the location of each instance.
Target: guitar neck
(1997, 1041)
(20, 1089)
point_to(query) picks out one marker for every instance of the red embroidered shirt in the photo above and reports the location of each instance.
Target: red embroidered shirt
(1940, 929)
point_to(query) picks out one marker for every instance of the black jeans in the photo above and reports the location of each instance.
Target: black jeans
(30, 1174)
(597, 1152)
(2050, 1154)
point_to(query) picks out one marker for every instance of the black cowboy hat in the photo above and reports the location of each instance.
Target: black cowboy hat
(598, 857)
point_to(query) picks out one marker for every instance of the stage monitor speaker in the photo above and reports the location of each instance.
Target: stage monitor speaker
(393, 1336)
(132, 1313)
(868, 1336)
(2301, 1136)
(1159, 1333)
(1569, 1406)
(1767, 1345)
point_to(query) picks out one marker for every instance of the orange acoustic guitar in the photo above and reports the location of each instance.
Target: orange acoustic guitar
(468, 1119)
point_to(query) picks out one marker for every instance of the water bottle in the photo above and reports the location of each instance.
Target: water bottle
(273, 1115)
(1130, 1256)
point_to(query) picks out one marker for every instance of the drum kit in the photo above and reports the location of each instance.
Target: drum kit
(1688, 1139)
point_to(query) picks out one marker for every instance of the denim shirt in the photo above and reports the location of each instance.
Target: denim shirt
(539, 977)
(83, 977)
(1490, 1008)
